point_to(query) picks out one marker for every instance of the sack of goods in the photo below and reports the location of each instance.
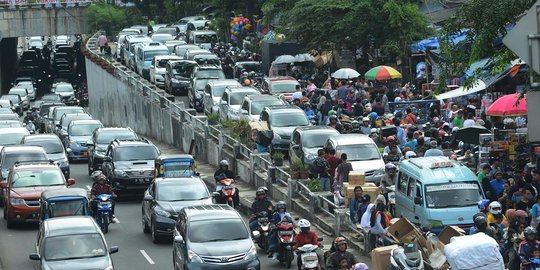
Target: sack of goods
(477, 251)
(264, 137)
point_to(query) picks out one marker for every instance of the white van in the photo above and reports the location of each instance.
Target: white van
(144, 55)
(203, 38)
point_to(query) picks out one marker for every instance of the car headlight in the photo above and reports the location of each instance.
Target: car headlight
(251, 254)
(63, 162)
(120, 173)
(378, 172)
(193, 257)
(16, 201)
(160, 212)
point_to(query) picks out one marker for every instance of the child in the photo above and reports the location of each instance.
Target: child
(344, 264)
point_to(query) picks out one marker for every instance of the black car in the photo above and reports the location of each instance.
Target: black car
(164, 198)
(129, 165)
(43, 118)
(196, 93)
(101, 138)
(178, 76)
(213, 237)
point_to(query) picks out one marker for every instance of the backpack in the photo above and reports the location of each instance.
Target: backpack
(319, 166)
(385, 219)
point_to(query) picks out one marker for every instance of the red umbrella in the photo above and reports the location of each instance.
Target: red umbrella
(509, 105)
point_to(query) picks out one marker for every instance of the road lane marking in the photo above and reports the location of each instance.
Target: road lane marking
(145, 255)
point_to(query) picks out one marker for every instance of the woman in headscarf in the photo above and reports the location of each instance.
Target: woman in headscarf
(365, 224)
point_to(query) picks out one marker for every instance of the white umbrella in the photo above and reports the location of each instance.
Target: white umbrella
(303, 57)
(284, 59)
(345, 73)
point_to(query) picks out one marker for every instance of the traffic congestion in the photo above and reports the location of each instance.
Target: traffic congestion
(428, 180)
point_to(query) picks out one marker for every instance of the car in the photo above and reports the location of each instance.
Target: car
(22, 190)
(196, 93)
(56, 114)
(144, 54)
(207, 59)
(47, 98)
(362, 153)
(254, 104)
(53, 147)
(129, 165)
(162, 37)
(143, 29)
(35, 43)
(65, 120)
(10, 124)
(23, 93)
(9, 116)
(171, 44)
(159, 67)
(43, 119)
(12, 136)
(101, 138)
(306, 141)
(202, 38)
(120, 41)
(280, 86)
(213, 91)
(66, 91)
(60, 243)
(29, 86)
(282, 120)
(168, 30)
(19, 153)
(178, 76)
(129, 48)
(6, 103)
(79, 133)
(61, 41)
(164, 198)
(229, 106)
(198, 244)
(191, 53)
(17, 102)
(182, 23)
(180, 50)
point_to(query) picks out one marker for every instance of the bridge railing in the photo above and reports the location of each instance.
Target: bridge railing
(43, 3)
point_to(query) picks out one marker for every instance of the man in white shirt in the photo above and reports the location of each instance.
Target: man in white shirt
(470, 121)
(298, 93)
(434, 151)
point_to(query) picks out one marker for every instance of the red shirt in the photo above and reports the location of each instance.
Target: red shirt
(333, 162)
(303, 238)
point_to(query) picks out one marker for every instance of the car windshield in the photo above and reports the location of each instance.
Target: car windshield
(359, 152)
(453, 195)
(182, 191)
(20, 92)
(11, 158)
(50, 146)
(5, 110)
(72, 207)
(316, 139)
(258, 106)
(66, 120)
(64, 88)
(108, 137)
(149, 55)
(37, 178)
(208, 38)
(71, 247)
(183, 69)
(170, 31)
(83, 130)
(162, 63)
(12, 138)
(44, 109)
(178, 169)
(8, 117)
(236, 98)
(9, 124)
(13, 98)
(51, 98)
(148, 152)
(202, 60)
(211, 73)
(200, 84)
(282, 87)
(288, 119)
(217, 230)
(66, 110)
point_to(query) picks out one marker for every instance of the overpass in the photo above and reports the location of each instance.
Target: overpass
(23, 18)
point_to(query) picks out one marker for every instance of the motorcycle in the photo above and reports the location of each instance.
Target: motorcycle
(309, 259)
(227, 193)
(390, 194)
(30, 127)
(406, 257)
(104, 211)
(285, 233)
(264, 229)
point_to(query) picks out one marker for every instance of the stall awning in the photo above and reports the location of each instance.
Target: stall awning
(477, 86)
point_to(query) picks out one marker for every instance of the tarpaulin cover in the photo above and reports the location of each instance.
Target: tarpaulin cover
(477, 251)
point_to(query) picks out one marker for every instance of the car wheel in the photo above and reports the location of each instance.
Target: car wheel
(10, 223)
(145, 227)
(155, 237)
(90, 168)
(5, 213)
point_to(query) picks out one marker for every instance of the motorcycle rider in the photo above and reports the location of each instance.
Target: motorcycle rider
(306, 236)
(335, 123)
(280, 215)
(223, 173)
(527, 246)
(260, 204)
(366, 126)
(31, 115)
(389, 176)
(481, 225)
(340, 253)
(101, 186)
(308, 111)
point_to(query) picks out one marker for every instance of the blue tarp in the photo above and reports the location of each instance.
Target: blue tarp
(432, 43)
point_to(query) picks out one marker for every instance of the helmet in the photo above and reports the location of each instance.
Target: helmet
(340, 240)
(307, 105)
(521, 213)
(480, 219)
(281, 205)
(390, 138)
(366, 119)
(360, 266)
(374, 130)
(304, 225)
(96, 175)
(529, 231)
(260, 191)
(482, 204)
(331, 112)
(390, 166)
(247, 81)
(495, 207)
(224, 163)
(410, 154)
(333, 117)
(355, 123)
(508, 121)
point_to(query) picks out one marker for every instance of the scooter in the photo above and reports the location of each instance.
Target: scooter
(227, 192)
(285, 232)
(308, 257)
(406, 257)
(30, 127)
(104, 211)
(264, 229)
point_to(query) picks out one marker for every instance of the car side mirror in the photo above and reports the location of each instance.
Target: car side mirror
(179, 239)
(148, 198)
(113, 249)
(223, 102)
(71, 182)
(418, 200)
(256, 234)
(296, 147)
(34, 257)
(3, 184)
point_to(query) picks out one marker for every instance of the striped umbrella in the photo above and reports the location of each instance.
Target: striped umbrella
(382, 73)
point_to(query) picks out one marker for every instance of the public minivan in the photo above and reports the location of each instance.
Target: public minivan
(144, 53)
(436, 191)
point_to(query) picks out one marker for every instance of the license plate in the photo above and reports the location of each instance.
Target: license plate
(84, 153)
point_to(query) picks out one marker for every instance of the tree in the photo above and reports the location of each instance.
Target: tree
(486, 21)
(111, 18)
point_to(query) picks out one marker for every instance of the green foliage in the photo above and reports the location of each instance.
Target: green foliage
(213, 117)
(278, 156)
(298, 166)
(227, 123)
(314, 185)
(486, 20)
(111, 18)
(241, 128)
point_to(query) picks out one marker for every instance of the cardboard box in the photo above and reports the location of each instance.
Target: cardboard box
(404, 231)
(256, 126)
(448, 232)
(357, 178)
(368, 188)
(380, 257)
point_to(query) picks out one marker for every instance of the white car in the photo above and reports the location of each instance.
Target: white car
(158, 68)
(29, 86)
(229, 107)
(66, 91)
(61, 41)
(162, 38)
(23, 93)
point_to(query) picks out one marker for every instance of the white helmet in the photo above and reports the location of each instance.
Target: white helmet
(495, 208)
(410, 154)
(224, 163)
(304, 223)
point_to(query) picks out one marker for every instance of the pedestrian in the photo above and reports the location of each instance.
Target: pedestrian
(355, 205)
(378, 107)
(297, 93)
(333, 162)
(342, 172)
(410, 118)
(498, 184)
(434, 151)
(320, 169)
(458, 119)
(102, 41)
(420, 148)
(470, 121)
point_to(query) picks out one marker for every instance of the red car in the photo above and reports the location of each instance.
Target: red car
(280, 86)
(23, 188)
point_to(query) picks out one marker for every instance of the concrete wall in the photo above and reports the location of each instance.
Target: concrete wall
(8, 62)
(42, 21)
